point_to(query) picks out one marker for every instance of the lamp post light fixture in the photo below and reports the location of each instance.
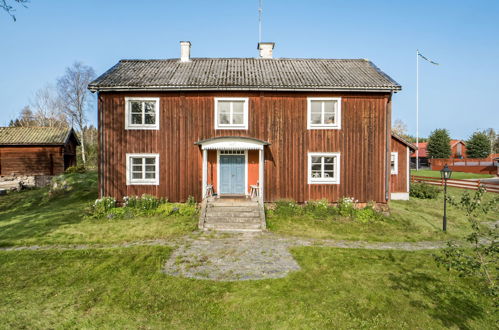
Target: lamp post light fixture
(445, 173)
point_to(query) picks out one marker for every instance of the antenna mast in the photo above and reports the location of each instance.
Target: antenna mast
(260, 21)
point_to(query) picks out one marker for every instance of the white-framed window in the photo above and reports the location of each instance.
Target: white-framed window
(394, 163)
(324, 112)
(141, 112)
(231, 113)
(142, 169)
(323, 167)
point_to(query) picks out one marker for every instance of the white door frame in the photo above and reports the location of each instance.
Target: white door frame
(246, 192)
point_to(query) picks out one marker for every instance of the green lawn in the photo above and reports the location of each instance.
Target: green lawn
(413, 220)
(125, 288)
(455, 175)
(31, 217)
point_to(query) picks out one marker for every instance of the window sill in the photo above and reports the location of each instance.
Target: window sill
(143, 183)
(155, 127)
(323, 127)
(323, 182)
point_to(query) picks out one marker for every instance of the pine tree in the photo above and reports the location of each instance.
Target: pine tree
(478, 146)
(439, 144)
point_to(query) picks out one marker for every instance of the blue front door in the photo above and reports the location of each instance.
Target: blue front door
(232, 174)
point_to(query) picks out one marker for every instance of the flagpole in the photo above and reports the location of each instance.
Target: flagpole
(417, 109)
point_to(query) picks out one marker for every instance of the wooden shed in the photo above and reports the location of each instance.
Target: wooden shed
(400, 175)
(36, 150)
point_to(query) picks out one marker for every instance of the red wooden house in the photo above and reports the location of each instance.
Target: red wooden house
(400, 175)
(31, 151)
(303, 129)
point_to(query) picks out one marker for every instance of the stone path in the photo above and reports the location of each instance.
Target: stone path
(237, 256)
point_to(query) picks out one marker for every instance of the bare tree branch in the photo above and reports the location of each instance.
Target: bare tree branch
(5, 5)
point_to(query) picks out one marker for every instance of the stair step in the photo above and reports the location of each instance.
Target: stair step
(232, 209)
(245, 203)
(251, 214)
(231, 220)
(233, 226)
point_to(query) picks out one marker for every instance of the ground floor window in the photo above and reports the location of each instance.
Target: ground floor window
(323, 168)
(394, 163)
(142, 169)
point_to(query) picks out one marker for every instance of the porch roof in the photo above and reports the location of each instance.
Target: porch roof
(232, 143)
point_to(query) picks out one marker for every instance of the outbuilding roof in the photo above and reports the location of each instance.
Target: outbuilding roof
(35, 135)
(246, 74)
(404, 141)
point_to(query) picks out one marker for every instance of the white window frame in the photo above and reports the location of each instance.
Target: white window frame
(244, 126)
(336, 125)
(128, 113)
(130, 181)
(395, 169)
(337, 173)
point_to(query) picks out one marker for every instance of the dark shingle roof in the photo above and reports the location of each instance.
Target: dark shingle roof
(34, 135)
(245, 74)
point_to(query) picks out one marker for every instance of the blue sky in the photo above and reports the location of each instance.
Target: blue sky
(462, 94)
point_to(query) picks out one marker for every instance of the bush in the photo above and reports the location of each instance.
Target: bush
(287, 207)
(424, 191)
(76, 169)
(102, 206)
(319, 209)
(177, 209)
(347, 206)
(144, 202)
(368, 214)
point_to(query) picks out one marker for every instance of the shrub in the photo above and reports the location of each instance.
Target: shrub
(347, 206)
(319, 209)
(191, 200)
(287, 207)
(102, 206)
(144, 202)
(368, 214)
(177, 209)
(424, 191)
(76, 169)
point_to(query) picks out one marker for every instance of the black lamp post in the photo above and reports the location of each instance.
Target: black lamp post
(445, 173)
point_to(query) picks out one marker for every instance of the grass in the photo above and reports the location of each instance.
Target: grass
(413, 220)
(455, 175)
(31, 217)
(346, 289)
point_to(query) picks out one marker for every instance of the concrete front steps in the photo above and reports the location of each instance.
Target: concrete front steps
(234, 214)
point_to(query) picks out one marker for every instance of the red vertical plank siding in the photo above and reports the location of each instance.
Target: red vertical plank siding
(276, 117)
(398, 182)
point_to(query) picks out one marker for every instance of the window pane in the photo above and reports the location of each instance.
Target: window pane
(150, 168)
(238, 107)
(137, 168)
(316, 167)
(316, 159)
(328, 174)
(136, 106)
(136, 118)
(149, 119)
(150, 161)
(329, 118)
(328, 167)
(237, 119)
(136, 175)
(316, 106)
(136, 161)
(329, 160)
(316, 174)
(223, 112)
(150, 107)
(315, 118)
(329, 106)
(150, 175)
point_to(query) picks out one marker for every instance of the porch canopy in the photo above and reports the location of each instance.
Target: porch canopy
(232, 143)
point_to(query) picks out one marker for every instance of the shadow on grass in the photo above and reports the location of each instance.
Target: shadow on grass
(30, 214)
(451, 305)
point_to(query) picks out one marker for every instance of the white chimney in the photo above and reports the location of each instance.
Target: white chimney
(265, 49)
(185, 51)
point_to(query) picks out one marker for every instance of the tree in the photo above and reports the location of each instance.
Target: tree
(48, 110)
(76, 98)
(493, 138)
(478, 146)
(439, 144)
(25, 119)
(399, 128)
(9, 8)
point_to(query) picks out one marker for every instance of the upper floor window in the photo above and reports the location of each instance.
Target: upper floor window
(323, 167)
(394, 163)
(231, 113)
(324, 113)
(142, 113)
(142, 169)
